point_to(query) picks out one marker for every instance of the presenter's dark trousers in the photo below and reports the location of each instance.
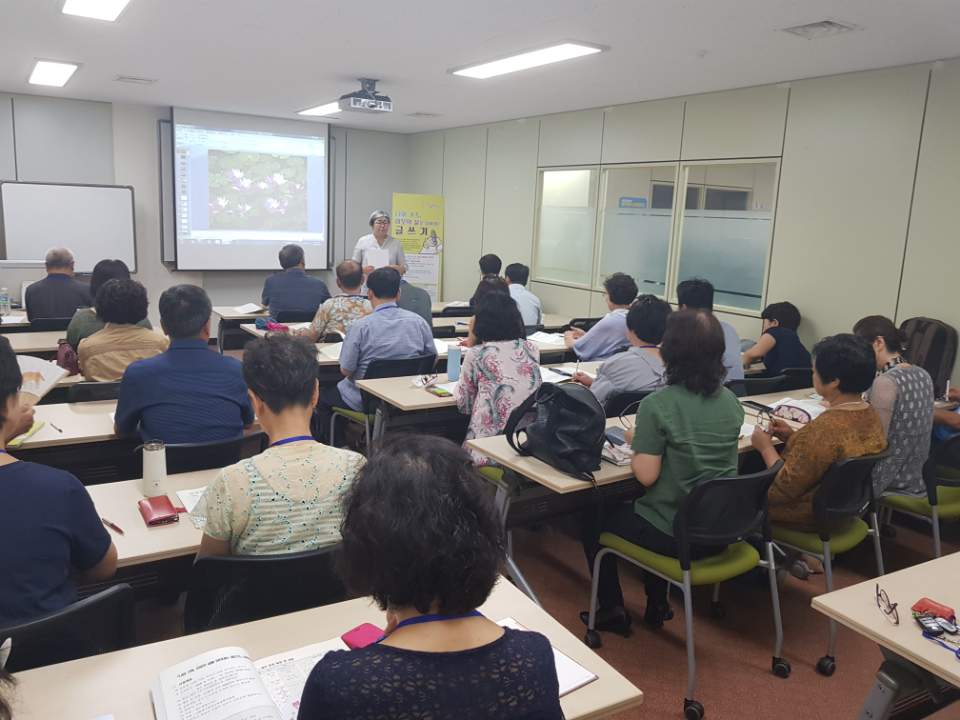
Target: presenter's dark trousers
(620, 519)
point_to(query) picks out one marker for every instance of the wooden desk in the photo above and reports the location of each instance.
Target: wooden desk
(118, 683)
(36, 343)
(230, 313)
(85, 422)
(229, 323)
(437, 308)
(856, 608)
(6, 324)
(550, 322)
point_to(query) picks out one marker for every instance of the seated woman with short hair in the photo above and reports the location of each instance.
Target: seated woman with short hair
(843, 368)
(640, 367)
(288, 498)
(685, 434)
(50, 532)
(902, 395)
(500, 369)
(779, 346)
(421, 537)
(85, 321)
(105, 355)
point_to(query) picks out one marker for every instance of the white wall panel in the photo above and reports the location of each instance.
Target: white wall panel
(464, 157)
(571, 138)
(735, 124)
(509, 190)
(642, 132)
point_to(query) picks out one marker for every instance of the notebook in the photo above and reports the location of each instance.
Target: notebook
(332, 351)
(248, 309)
(39, 377)
(547, 338)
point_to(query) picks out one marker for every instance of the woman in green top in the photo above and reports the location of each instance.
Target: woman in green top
(686, 433)
(85, 321)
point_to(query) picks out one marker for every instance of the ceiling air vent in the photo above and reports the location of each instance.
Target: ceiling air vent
(133, 80)
(822, 29)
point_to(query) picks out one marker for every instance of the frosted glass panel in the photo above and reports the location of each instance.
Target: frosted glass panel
(726, 238)
(729, 249)
(636, 242)
(568, 215)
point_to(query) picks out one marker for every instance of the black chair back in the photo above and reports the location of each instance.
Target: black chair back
(92, 391)
(945, 456)
(100, 623)
(584, 324)
(762, 386)
(736, 387)
(846, 490)
(529, 330)
(231, 589)
(397, 367)
(457, 311)
(187, 457)
(617, 404)
(797, 378)
(49, 324)
(445, 331)
(723, 511)
(294, 316)
(332, 337)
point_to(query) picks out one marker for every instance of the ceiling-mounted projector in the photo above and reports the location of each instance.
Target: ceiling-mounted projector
(366, 99)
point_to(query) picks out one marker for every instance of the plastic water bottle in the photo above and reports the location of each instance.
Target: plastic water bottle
(4, 302)
(453, 363)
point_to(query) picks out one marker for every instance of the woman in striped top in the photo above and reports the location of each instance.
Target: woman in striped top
(287, 498)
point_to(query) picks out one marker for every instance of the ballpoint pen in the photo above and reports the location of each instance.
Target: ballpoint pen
(111, 525)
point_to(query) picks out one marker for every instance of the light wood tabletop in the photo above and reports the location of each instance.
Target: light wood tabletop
(550, 322)
(230, 313)
(6, 323)
(438, 307)
(72, 424)
(498, 449)
(36, 342)
(117, 502)
(118, 684)
(856, 608)
(401, 393)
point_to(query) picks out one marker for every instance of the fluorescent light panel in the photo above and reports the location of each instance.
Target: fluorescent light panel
(54, 74)
(328, 109)
(527, 60)
(97, 9)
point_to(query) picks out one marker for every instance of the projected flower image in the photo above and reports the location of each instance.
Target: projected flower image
(257, 191)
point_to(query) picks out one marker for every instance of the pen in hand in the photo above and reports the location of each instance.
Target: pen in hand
(112, 526)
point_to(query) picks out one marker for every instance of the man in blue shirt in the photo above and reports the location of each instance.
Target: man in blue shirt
(293, 290)
(389, 332)
(189, 393)
(528, 304)
(697, 294)
(609, 335)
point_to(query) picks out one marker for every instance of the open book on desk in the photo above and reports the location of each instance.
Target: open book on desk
(39, 377)
(248, 309)
(225, 684)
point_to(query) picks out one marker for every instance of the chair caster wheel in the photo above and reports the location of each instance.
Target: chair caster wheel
(826, 666)
(781, 668)
(593, 639)
(718, 610)
(692, 710)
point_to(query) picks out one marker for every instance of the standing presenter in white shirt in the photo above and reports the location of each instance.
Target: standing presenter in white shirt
(379, 249)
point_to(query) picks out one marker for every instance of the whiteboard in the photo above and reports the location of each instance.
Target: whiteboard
(94, 221)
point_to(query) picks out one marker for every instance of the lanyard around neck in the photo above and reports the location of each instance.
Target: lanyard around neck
(295, 438)
(420, 619)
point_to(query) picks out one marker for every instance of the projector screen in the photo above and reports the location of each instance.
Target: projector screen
(245, 187)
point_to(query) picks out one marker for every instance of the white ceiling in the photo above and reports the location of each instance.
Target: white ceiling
(273, 57)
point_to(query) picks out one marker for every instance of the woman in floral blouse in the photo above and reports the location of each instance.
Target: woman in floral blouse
(500, 370)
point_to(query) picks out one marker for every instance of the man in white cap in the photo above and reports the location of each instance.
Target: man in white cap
(379, 249)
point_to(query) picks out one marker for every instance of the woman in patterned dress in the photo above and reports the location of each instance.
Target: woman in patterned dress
(902, 394)
(500, 370)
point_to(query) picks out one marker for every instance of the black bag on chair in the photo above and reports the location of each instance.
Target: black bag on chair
(564, 427)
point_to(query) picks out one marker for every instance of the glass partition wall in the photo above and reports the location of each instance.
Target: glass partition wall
(593, 221)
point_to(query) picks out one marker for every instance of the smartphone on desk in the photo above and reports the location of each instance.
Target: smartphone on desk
(615, 435)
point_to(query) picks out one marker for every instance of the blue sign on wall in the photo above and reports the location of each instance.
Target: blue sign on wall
(635, 203)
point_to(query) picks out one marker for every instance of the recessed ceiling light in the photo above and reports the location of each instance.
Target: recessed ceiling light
(97, 9)
(328, 109)
(532, 59)
(821, 29)
(54, 74)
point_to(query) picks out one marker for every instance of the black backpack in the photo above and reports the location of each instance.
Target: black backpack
(564, 427)
(932, 345)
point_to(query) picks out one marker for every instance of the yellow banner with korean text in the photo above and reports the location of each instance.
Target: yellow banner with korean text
(418, 225)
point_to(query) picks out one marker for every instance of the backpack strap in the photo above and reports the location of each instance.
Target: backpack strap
(510, 429)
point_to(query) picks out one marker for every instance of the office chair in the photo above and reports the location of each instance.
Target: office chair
(762, 386)
(187, 457)
(100, 623)
(49, 324)
(617, 404)
(294, 316)
(796, 379)
(93, 391)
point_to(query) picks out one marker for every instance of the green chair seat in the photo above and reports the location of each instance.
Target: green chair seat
(737, 559)
(493, 474)
(354, 415)
(841, 540)
(948, 503)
